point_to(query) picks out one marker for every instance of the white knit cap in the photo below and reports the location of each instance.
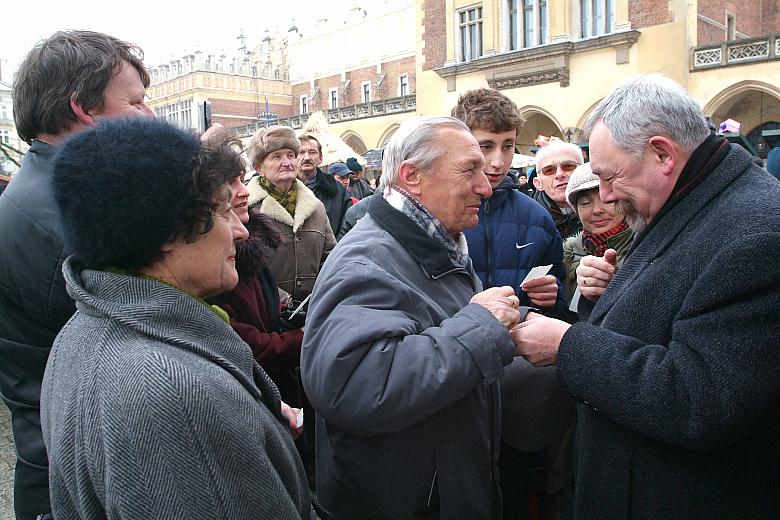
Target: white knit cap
(582, 179)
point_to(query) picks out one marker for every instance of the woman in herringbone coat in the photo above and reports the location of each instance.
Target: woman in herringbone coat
(152, 406)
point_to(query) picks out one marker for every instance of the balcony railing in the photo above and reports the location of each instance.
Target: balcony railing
(381, 107)
(736, 52)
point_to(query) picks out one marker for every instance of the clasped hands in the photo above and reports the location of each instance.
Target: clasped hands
(537, 338)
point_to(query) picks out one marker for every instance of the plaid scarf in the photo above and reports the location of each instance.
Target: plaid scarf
(596, 243)
(288, 200)
(419, 214)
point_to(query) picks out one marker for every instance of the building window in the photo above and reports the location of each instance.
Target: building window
(527, 23)
(403, 85)
(304, 106)
(512, 25)
(5, 137)
(334, 97)
(470, 30)
(542, 9)
(731, 28)
(179, 113)
(365, 88)
(4, 112)
(597, 17)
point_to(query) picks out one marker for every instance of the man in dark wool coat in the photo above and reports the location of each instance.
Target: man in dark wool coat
(677, 368)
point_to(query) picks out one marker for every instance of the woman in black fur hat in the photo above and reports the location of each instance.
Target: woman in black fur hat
(151, 405)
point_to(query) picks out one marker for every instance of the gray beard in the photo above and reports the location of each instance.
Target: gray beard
(635, 221)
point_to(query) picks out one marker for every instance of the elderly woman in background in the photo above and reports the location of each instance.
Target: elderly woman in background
(299, 217)
(152, 406)
(604, 226)
(253, 306)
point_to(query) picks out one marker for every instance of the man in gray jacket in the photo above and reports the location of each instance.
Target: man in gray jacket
(403, 351)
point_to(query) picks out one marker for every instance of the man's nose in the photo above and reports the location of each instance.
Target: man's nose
(605, 192)
(482, 186)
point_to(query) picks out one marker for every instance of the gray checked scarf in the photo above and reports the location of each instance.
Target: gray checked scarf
(398, 198)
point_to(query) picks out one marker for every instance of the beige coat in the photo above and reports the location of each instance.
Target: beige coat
(306, 239)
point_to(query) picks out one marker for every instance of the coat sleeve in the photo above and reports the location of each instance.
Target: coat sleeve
(370, 366)
(192, 446)
(717, 376)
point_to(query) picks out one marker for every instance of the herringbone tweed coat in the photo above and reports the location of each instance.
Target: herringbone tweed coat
(152, 407)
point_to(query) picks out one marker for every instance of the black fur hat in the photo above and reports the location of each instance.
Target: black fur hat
(123, 188)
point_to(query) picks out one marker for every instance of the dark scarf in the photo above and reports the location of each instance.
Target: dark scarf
(567, 223)
(596, 243)
(701, 163)
(288, 199)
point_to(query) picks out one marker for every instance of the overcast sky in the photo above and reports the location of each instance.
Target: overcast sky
(164, 29)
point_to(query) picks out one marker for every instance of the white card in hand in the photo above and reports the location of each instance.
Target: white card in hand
(299, 419)
(575, 300)
(536, 272)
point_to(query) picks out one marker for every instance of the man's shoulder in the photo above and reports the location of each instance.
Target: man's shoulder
(524, 210)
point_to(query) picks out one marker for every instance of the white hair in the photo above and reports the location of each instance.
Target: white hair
(558, 146)
(415, 142)
(644, 106)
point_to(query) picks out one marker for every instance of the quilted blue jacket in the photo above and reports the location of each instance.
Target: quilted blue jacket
(515, 234)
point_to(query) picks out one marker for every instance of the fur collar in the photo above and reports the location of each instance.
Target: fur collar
(252, 254)
(304, 208)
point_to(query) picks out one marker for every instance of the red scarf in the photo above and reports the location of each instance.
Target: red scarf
(596, 243)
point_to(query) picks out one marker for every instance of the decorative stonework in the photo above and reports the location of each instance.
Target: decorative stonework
(736, 52)
(707, 57)
(537, 65)
(748, 51)
(349, 113)
(535, 78)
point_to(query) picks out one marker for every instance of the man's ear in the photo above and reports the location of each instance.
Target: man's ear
(410, 177)
(537, 183)
(665, 153)
(81, 114)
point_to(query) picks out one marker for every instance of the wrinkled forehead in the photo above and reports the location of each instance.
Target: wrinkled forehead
(557, 157)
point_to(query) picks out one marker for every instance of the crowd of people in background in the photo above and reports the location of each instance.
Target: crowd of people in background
(588, 339)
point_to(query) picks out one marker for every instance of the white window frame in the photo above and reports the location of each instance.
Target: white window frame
(516, 19)
(466, 25)
(403, 85)
(5, 112)
(363, 97)
(593, 24)
(333, 98)
(731, 26)
(5, 136)
(303, 104)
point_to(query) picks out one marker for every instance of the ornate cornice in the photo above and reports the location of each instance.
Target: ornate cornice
(542, 64)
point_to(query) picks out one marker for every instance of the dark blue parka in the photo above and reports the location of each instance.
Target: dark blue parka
(514, 235)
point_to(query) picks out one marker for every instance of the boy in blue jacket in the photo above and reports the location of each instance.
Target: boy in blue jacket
(515, 234)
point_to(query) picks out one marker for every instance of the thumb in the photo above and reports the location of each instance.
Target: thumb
(610, 255)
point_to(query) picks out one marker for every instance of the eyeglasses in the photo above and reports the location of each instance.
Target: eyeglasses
(565, 166)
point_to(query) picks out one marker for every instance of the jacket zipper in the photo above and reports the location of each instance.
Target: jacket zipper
(488, 247)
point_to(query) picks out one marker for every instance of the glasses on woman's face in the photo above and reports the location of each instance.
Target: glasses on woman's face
(567, 167)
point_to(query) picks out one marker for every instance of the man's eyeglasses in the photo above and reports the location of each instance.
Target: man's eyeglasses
(566, 166)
